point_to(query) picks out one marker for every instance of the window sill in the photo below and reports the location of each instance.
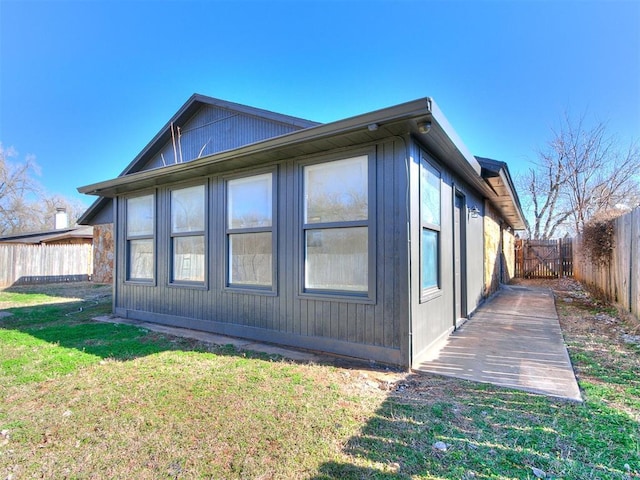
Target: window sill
(145, 283)
(189, 285)
(335, 296)
(247, 290)
(430, 294)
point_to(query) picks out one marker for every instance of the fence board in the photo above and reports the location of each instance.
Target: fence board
(28, 264)
(619, 279)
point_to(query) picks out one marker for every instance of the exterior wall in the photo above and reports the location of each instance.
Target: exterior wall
(373, 328)
(215, 129)
(492, 250)
(103, 253)
(508, 255)
(433, 317)
(499, 251)
(475, 252)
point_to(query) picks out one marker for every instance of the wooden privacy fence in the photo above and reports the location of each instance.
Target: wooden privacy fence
(27, 264)
(619, 276)
(544, 258)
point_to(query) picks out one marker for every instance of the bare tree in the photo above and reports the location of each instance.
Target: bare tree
(582, 173)
(24, 205)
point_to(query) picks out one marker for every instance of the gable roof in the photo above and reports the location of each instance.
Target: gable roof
(396, 120)
(441, 140)
(187, 111)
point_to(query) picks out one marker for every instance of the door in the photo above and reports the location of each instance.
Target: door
(459, 259)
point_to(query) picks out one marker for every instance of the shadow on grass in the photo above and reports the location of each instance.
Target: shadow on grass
(487, 432)
(70, 325)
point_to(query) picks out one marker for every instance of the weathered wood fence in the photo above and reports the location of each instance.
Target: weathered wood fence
(619, 277)
(544, 258)
(27, 264)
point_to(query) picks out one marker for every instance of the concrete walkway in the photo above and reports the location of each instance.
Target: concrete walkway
(513, 340)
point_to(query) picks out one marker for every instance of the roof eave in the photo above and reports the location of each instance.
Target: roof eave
(411, 110)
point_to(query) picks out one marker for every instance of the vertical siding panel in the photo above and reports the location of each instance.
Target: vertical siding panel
(326, 319)
(361, 323)
(369, 326)
(303, 314)
(335, 319)
(343, 320)
(392, 242)
(315, 325)
(287, 250)
(351, 320)
(252, 311)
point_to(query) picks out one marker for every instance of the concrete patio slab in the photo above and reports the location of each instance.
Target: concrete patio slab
(513, 340)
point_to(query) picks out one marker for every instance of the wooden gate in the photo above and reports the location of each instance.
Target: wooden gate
(544, 258)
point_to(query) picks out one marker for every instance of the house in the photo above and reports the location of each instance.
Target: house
(64, 236)
(61, 234)
(62, 254)
(373, 237)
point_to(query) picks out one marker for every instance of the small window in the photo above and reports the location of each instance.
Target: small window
(250, 231)
(336, 226)
(430, 204)
(140, 226)
(188, 235)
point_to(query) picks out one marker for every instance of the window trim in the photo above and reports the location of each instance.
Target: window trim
(227, 286)
(153, 237)
(435, 290)
(365, 297)
(171, 282)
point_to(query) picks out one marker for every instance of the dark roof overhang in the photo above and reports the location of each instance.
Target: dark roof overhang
(401, 119)
(188, 110)
(505, 197)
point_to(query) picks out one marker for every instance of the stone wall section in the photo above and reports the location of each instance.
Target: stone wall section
(103, 253)
(499, 251)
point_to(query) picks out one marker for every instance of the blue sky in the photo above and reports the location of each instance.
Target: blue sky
(84, 85)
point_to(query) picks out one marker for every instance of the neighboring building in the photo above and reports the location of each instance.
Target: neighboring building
(362, 237)
(63, 236)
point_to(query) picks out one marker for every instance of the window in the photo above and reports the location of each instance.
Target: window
(336, 226)
(250, 231)
(430, 226)
(187, 235)
(140, 241)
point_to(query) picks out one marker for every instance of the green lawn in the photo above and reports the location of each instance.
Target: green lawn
(83, 399)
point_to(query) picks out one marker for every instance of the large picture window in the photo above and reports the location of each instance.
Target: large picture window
(430, 200)
(188, 259)
(336, 226)
(140, 219)
(250, 231)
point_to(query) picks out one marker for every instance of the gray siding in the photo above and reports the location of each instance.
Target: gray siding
(215, 129)
(375, 328)
(433, 317)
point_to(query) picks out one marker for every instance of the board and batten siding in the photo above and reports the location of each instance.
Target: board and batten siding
(432, 314)
(215, 129)
(375, 328)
